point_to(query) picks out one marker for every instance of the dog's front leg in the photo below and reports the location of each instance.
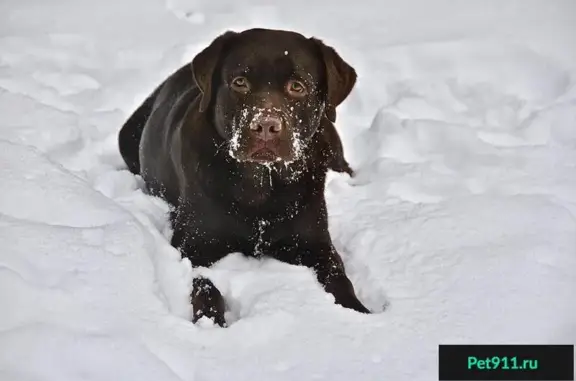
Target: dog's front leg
(326, 263)
(206, 299)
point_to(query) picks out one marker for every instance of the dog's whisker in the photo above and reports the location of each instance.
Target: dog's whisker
(220, 146)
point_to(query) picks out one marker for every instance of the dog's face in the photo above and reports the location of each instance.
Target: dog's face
(270, 97)
(267, 91)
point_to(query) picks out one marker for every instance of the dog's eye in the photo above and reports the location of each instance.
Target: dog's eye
(240, 84)
(296, 88)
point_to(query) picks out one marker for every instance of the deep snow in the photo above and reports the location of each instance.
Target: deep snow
(462, 129)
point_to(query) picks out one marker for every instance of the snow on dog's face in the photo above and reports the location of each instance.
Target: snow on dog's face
(267, 91)
(269, 100)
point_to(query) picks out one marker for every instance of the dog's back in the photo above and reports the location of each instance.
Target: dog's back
(169, 91)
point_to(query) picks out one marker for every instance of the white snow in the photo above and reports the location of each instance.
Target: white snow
(461, 219)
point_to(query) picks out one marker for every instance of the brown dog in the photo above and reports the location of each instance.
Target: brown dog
(239, 143)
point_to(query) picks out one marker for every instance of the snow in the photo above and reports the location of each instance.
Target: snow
(461, 219)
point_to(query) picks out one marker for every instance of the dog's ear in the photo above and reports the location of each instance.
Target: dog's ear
(204, 64)
(334, 150)
(340, 78)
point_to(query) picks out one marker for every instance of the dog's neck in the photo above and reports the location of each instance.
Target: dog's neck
(255, 183)
(260, 181)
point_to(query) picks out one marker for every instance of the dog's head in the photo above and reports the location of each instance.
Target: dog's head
(267, 91)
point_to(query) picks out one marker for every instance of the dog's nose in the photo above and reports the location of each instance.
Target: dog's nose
(267, 128)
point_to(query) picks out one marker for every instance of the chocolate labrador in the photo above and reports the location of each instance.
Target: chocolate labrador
(239, 143)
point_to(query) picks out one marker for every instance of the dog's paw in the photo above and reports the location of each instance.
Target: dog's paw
(207, 320)
(207, 301)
